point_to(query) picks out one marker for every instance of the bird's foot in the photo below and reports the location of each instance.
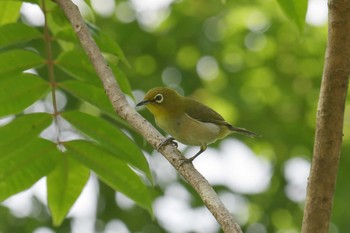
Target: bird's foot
(190, 160)
(185, 160)
(167, 141)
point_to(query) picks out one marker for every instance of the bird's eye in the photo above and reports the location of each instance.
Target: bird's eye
(159, 98)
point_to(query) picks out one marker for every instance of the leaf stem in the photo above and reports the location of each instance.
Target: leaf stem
(50, 68)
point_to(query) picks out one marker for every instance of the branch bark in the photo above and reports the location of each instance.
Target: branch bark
(124, 110)
(329, 122)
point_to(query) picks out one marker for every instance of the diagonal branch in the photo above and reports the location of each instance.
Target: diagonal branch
(329, 122)
(124, 110)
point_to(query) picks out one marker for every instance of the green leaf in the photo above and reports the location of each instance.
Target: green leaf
(111, 138)
(22, 130)
(89, 93)
(15, 33)
(17, 93)
(56, 19)
(66, 34)
(107, 45)
(122, 80)
(112, 171)
(9, 11)
(64, 186)
(76, 64)
(23, 167)
(295, 10)
(93, 95)
(15, 61)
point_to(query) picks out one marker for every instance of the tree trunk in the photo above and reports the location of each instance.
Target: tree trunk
(329, 122)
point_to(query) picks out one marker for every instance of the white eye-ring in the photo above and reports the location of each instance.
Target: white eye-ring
(159, 98)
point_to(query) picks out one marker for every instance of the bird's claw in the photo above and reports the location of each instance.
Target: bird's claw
(167, 141)
(185, 160)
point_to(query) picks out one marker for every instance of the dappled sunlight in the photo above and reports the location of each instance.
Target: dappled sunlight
(20, 204)
(123, 201)
(85, 206)
(207, 68)
(145, 65)
(257, 21)
(6, 120)
(43, 230)
(187, 57)
(32, 14)
(104, 7)
(151, 14)
(114, 226)
(256, 228)
(247, 174)
(124, 12)
(175, 213)
(235, 166)
(236, 204)
(214, 28)
(296, 172)
(172, 77)
(317, 12)
(163, 173)
(255, 41)
(83, 211)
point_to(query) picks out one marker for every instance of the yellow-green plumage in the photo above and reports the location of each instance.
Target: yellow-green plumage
(187, 120)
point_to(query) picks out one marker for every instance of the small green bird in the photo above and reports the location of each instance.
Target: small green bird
(187, 120)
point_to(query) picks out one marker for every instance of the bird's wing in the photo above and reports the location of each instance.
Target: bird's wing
(203, 113)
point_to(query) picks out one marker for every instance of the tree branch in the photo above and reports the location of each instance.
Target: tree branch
(124, 110)
(329, 122)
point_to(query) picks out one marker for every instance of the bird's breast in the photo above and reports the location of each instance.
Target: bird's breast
(190, 131)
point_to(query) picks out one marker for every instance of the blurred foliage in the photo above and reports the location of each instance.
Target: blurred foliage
(243, 58)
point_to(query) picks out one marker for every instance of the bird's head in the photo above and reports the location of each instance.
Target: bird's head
(162, 101)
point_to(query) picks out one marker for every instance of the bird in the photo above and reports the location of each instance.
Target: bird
(187, 120)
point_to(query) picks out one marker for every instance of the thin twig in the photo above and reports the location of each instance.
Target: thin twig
(124, 110)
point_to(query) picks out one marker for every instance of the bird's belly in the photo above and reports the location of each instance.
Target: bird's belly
(190, 131)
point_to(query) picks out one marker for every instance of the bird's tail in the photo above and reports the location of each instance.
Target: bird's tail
(243, 131)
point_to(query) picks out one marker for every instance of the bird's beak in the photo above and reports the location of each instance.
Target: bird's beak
(143, 103)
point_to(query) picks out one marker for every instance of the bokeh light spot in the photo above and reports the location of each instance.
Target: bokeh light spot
(282, 219)
(235, 161)
(124, 12)
(104, 8)
(32, 14)
(214, 29)
(207, 68)
(317, 12)
(296, 172)
(255, 41)
(232, 62)
(145, 65)
(171, 77)
(257, 21)
(187, 57)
